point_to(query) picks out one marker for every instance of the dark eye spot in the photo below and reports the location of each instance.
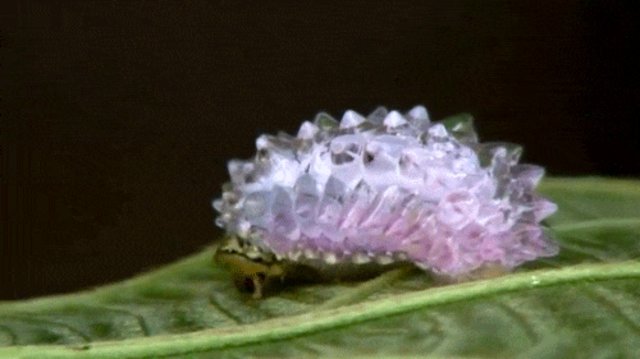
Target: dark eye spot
(262, 276)
(248, 284)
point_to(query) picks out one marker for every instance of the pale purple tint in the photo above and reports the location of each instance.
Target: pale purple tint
(388, 186)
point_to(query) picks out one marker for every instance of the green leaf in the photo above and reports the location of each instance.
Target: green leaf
(583, 303)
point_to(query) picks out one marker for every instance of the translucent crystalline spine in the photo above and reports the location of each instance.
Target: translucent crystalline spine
(388, 187)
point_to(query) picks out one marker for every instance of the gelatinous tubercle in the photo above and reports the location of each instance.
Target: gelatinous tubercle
(387, 188)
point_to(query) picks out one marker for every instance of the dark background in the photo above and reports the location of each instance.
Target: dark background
(118, 117)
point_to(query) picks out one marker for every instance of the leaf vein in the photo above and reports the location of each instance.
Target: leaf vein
(144, 327)
(12, 336)
(227, 313)
(613, 309)
(521, 320)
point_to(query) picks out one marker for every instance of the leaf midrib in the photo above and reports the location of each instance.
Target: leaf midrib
(316, 321)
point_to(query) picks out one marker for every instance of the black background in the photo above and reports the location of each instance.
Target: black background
(118, 117)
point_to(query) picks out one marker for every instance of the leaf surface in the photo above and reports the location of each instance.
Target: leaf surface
(583, 303)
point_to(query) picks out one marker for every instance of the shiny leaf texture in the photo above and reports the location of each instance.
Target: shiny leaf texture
(583, 303)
